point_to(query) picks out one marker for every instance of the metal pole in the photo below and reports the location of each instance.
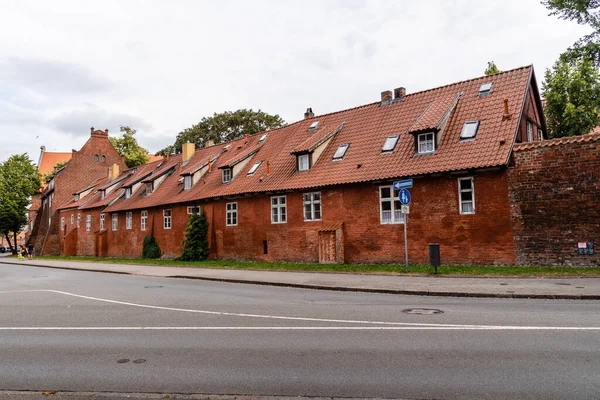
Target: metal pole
(405, 242)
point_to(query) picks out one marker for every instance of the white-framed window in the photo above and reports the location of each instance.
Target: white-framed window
(128, 220)
(102, 216)
(102, 194)
(72, 219)
(149, 188)
(341, 151)
(193, 210)
(469, 130)
(50, 200)
(187, 182)
(313, 126)
(529, 131)
(115, 221)
(312, 206)
(466, 196)
(226, 175)
(75, 198)
(144, 219)
(540, 136)
(88, 223)
(390, 144)
(78, 220)
(278, 210)
(167, 219)
(232, 214)
(262, 138)
(389, 206)
(426, 143)
(127, 192)
(62, 224)
(254, 168)
(304, 162)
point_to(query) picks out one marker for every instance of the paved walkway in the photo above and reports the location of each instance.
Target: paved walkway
(545, 288)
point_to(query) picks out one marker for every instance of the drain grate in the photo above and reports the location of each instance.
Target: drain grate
(422, 311)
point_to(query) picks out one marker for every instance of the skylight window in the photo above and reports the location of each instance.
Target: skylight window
(390, 144)
(254, 168)
(262, 138)
(341, 151)
(486, 88)
(313, 126)
(469, 130)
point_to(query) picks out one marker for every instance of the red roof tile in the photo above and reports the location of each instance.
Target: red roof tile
(590, 137)
(318, 138)
(50, 159)
(435, 113)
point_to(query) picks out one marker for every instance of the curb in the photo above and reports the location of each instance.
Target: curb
(340, 288)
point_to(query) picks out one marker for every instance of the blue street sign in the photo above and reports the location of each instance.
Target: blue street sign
(404, 197)
(405, 184)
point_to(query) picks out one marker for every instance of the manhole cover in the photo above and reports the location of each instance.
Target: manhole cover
(152, 287)
(422, 311)
(139, 361)
(123, 360)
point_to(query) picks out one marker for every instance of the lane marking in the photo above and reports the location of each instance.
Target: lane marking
(394, 325)
(298, 328)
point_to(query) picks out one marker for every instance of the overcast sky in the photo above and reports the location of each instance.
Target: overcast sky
(160, 66)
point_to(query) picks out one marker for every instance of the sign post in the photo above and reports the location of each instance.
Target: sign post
(404, 197)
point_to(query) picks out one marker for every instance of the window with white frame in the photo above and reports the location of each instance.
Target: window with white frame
(128, 220)
(278, 210)
(144, 219)
(127, 192)
(426, 143)
(102, 194)
(469, 130)
(390, 144)
(262, 138)
(88, 223)
(78, 220)
(529, 131)
(193, 210)
(62, 224)
(254, 168)
(72, 219)
(187, 182)
(540, 136)
(102, 221)
(149, 188)
(390, 210)
(341, 151)
(167, 219)
(466, 196)
(226, 175)
(312, 206)
(115, 221)
(304, 162)
(232, 214)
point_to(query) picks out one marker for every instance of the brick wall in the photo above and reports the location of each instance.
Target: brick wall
(555, 199)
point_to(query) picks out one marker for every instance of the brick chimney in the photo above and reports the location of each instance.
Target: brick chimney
(399, 93)
(113, 172)
(187, 151)
(386, 96)
(209, 143)
(309, 113)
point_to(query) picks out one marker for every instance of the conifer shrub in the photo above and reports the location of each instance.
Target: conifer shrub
(195, 245)
(151, 248)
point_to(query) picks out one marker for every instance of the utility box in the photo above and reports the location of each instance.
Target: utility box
(434, 255)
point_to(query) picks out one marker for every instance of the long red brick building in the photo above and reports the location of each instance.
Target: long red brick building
(320, 189)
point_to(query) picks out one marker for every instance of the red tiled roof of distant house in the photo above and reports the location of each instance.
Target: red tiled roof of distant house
(50, 159)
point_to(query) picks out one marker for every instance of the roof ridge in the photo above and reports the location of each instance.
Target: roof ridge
(588, 137)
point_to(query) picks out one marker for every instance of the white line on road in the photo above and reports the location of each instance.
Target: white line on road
(298, 328)
(395, 325)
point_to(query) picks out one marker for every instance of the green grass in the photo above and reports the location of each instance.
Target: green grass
(451, 270)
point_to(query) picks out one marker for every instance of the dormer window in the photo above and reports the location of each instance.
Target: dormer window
(127, 192)
(303, 162)
(340, 152)
(469, 130)
(426, 143)
(226, 176)
(486, 88)
(262, 138)
(187, 182)
(254, 168)
(313, 126)
(149, 188)
(102, 194)
(390, 144)
(76, 198)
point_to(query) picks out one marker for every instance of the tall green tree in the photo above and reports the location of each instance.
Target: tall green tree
(492, 68)
(19, 180)
(572, 92)
(195, 245)
(128, 147)
(225, 126)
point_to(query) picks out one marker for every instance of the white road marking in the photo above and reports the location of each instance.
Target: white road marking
(298, 328)
(395, 325)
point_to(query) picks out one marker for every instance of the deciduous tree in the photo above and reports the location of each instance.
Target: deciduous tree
(128, 147)
(491, 68)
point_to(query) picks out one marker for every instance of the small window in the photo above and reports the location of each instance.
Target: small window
(262, 138)
(62, 224)
(127, 192)
(72, 219)
(426, 143)
(390, 209)
(303, 162)
(313, 126)
(88, 222)
(486, 88)
(469, 130)
(102, 194)
(232, 215)
(101, 221)
(167, 219)
(540, 136)
(128, 220)
(115, 221)
(529, 131)
(103, 158)
(312, 206)
(193, 210)
(341, 151)
(254, 168)
(390, 144)
(144, 219)
(78, 220)
(149, 188)
(187, 182)
(226, 176)
(96, 158)
(466, 196)
(278, 210)
(76, 198)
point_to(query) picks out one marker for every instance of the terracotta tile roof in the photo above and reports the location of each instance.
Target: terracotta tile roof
(152, 158)
(435, 113)
(142, 172)
(50, 159)
(590, 137)
(82, 200)
(318, 138)
(331, 226)
(238, 158)
(365, 129)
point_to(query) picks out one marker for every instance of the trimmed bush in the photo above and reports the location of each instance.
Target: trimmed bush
(195, 245)
(151, 248)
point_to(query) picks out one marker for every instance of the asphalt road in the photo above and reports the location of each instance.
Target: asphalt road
(83, 331)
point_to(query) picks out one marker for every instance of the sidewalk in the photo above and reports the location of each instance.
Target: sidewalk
(537, 288)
